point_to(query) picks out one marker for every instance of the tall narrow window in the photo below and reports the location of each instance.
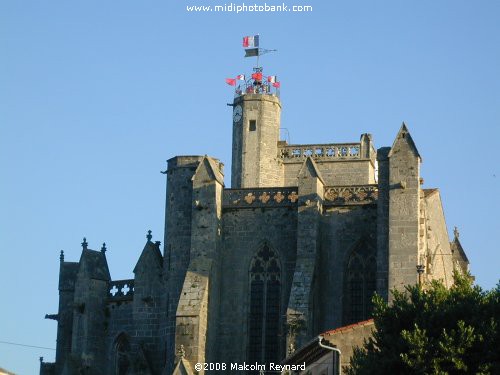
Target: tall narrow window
(359, 285)
(122, 360)
(265, 296)
(371, 283)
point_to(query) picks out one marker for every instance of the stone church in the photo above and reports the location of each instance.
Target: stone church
(297, 246)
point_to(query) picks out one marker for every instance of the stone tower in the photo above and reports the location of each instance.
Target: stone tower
(256, 128)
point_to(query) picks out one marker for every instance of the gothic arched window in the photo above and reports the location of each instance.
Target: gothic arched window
(122, 359)
(265, 296)
(359, 285)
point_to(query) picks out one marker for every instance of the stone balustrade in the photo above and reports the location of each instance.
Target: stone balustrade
(334, 151)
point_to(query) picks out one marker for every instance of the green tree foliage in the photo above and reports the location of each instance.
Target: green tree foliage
(434, 331)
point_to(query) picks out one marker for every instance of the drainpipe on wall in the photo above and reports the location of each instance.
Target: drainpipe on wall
(320, 338)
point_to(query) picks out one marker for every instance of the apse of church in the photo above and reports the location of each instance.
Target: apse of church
(297, 246)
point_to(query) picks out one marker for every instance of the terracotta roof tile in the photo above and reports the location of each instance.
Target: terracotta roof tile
(349, 327)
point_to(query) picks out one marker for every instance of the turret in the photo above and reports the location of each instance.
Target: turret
(256, 127)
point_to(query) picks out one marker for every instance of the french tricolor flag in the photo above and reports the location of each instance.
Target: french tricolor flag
(250, 41)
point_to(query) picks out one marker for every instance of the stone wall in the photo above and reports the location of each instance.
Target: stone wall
(437, 255)
(245, 230)
(347, 172)
(343, 229)
(120, 322)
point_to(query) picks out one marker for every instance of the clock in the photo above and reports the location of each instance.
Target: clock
(237, 113)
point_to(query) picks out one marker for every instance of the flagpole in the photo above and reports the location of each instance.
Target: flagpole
(258, 50)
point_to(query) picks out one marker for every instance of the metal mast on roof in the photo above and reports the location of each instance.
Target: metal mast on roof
(252, 48)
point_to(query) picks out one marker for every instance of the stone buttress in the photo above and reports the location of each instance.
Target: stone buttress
(300, 309)
(177, 243)
(198, 302)
(89, 331)
(146, 308)
(404, 211)
(67, 278)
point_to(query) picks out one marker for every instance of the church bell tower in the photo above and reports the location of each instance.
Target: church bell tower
(256, 129)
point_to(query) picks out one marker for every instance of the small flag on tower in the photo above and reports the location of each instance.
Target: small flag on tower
(250, 41)
(257, 76)
(240, 77)
(272, 79)
(231, 81)
(251, 52)
(277, 85)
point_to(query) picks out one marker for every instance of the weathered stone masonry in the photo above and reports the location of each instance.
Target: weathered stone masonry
(297, 246)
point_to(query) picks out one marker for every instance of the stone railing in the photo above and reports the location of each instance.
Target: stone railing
(351, 195)
(260, 197)
(121, 290)
(334, 151)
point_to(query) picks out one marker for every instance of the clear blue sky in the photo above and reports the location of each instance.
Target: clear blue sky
(96, 95)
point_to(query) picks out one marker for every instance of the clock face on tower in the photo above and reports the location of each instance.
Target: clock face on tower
(237, 113)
